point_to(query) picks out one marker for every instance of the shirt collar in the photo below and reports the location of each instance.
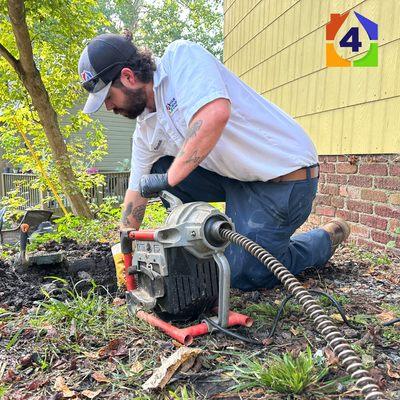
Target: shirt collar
(159, 73)
(158, 76)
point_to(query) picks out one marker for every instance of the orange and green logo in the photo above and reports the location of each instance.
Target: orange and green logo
(338, 41)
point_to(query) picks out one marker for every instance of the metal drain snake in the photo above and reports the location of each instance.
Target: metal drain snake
(336, 341)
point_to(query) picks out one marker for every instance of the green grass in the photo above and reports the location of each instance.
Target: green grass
(391, 307)
(340, 298)
(372, 258)
(283, 374)
(3, 391)
(364, 319)
(181, 393)
(392, 334)
(79, 314)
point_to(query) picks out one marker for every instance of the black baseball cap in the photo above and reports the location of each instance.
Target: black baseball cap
(100, 63)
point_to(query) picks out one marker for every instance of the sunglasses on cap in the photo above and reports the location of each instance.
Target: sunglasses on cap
(95, 83)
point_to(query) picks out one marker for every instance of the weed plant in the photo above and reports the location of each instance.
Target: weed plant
(89, 313)
(283, 374)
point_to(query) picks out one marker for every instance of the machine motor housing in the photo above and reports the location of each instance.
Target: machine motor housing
(172, 282)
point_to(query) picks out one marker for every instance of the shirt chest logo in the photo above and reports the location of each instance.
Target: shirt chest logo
(172, 106)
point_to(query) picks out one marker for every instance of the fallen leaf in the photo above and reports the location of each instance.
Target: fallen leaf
(100, 377)
(116, 347)
(267, 341)
(336, 317)
(10, 376)
(392, 373)
(118, 302)
(386, 316)
(61, 386)
(330, 357)
(25, 360)
(162, 375)
(37, 384)
(91, 355)
(294, 331)
(378, 377)
(187, 365)
(90, 394)
(136, 367)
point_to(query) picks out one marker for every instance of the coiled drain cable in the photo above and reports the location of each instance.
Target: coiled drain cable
(278, 315)
(336, 341)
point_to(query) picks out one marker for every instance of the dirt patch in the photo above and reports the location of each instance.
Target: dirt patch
(22, 286)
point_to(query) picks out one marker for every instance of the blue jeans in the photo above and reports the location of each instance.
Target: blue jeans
(267, 213)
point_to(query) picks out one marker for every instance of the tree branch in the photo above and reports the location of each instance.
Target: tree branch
(16, 11)
(10, 59)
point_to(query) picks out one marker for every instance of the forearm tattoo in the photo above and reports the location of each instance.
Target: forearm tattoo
(192, 131)
(194, 159)
(137, 213)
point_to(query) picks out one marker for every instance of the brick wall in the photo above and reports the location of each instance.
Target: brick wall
(365, 191)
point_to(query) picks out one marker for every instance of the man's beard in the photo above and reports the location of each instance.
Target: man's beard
(135, 103)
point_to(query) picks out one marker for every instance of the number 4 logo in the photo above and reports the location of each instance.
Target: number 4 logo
(351, 39)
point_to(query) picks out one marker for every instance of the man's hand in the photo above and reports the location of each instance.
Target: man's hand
(152, 184)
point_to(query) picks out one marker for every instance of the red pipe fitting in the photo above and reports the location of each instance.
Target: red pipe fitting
(142, 235)
(130, 279)
(186, 335)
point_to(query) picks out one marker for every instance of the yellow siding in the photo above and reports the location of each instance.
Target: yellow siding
(278, 48)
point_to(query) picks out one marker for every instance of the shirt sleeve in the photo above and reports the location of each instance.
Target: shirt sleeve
(196, 77)
(141, 162)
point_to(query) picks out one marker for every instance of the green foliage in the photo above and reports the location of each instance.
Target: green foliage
(3, 390)
(374, 259)
(392, 334)
(103, 227)
(14, 203)
(90, 313)
(121, 13)
(340, 298)
(155, 216)
(58, 31)
(391, 244)
(155, 24)
(182, 393)
(162, 22)
(286, 374)
(83, 230)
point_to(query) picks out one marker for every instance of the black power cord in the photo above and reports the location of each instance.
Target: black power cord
(277, 317)
(231, 333)
(392, 322)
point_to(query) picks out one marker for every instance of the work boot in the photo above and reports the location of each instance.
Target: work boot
(338, 230)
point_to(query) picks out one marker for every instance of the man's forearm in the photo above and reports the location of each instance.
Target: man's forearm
(204, 131)
(133, 210)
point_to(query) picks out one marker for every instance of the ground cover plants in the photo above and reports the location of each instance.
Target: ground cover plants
(66, 333)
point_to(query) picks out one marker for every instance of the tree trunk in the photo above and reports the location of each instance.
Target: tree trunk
(31, 79)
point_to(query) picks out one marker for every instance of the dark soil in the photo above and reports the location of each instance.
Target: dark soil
(21, 286)
(368, 284)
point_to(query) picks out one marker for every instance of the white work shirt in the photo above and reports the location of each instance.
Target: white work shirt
(260, 141)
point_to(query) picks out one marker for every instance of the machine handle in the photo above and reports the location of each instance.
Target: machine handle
(171, 199)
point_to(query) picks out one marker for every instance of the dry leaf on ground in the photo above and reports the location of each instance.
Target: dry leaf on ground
(100, 377)
(61, 386)
(116, 347)
(90, 394)
(330, 357)
(136, 367)
(118, 302)
(386, 316)
(162, 375)
(392, 373)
